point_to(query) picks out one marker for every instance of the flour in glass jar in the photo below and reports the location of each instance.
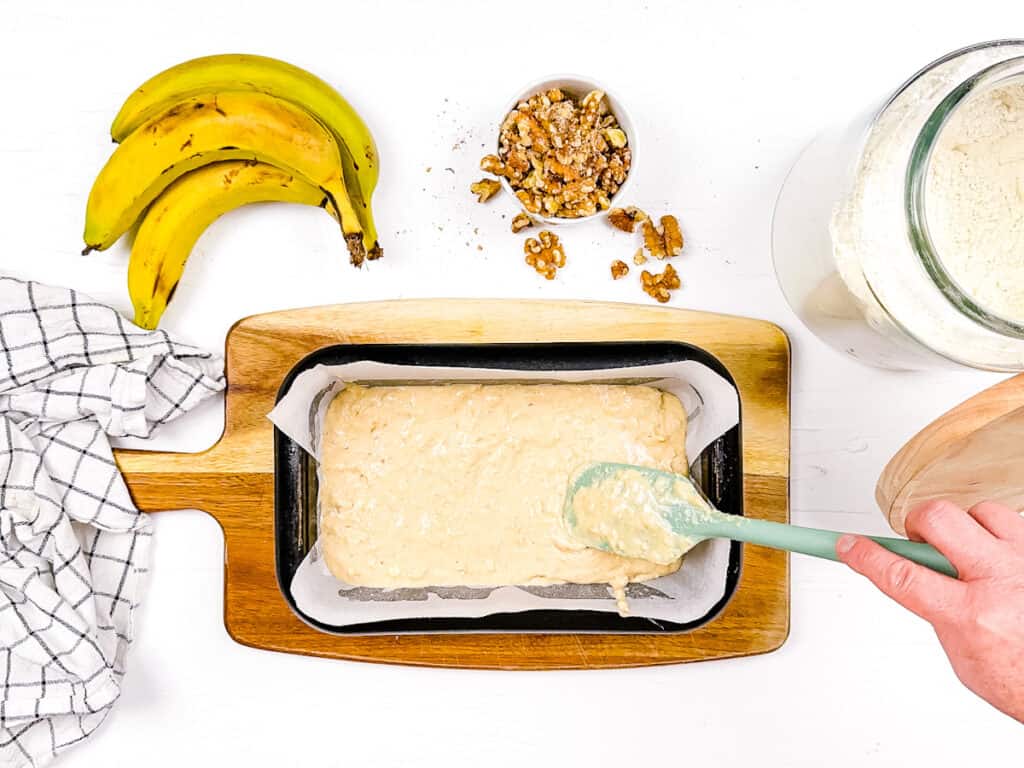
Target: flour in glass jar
(974, 197)
(972, 206)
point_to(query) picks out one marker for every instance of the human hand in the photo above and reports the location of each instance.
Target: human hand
(979, 617)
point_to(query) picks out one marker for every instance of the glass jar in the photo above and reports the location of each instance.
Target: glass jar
(869, 237)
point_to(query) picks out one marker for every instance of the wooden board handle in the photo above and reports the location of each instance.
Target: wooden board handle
(160, 481)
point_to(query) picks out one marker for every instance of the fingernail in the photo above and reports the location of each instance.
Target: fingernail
(845, 543)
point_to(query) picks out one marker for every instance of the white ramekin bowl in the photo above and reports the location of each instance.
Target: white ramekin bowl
(577, 87)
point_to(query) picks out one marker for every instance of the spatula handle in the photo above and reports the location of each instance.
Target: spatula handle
(821, 543)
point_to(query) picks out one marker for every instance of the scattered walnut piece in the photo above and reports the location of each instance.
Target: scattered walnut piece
(562, 157)
(626, 219)
(657, 286)
(653, 240)
(665, 241)
(544, 253)
(619, 269)
(521, 222)
(485, 189)
(672, 234)
(639, 258)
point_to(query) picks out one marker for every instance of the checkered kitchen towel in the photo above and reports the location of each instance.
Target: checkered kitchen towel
(73, 547)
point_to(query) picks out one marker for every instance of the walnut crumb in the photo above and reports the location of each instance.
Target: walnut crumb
(658, 286)
(544, 253)
(619, 269)
(626, 219)
(639, 258)
(521, 222)
(485, 189)
(665, 241)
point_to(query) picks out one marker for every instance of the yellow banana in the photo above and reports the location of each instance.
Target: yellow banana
(244, 72)
(173, 223)
(210, 128)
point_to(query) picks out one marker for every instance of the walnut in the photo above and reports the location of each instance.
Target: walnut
(531, 202)
(639, 258)
(492, 164)
(615, 136)
(657, 286)
(521, 222)
(653, 240)
(544, 253)
(673, 235)
(619, 269)
(626, 219)
(666, 241)
(563, 158)
(518, 163)
(593, 106)
(485, 189)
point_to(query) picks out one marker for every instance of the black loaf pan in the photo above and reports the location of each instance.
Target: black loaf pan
(718, 470)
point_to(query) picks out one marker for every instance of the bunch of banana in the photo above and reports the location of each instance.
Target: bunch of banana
(215, 133)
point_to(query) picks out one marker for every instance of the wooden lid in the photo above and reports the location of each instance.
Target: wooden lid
(972, 453)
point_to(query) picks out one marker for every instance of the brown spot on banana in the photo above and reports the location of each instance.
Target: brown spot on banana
(229, 177)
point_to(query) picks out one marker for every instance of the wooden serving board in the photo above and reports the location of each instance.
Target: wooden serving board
(234, 480)
(972, 453)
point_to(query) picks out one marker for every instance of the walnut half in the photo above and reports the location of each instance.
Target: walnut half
(658, 286)
(544, 253)
(520, 222)
(485, 189)
(626, 219)
(666, 241)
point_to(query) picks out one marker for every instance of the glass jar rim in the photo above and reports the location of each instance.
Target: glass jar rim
(916, 182)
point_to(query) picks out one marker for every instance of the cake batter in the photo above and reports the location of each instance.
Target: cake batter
(464, 484)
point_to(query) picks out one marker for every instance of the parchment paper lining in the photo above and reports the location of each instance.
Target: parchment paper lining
(712, 407)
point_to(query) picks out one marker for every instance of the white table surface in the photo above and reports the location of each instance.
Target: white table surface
(725, 95)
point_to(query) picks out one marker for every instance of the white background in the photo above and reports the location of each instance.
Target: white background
(724, 95)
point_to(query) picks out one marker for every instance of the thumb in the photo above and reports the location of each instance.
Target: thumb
(919, 589)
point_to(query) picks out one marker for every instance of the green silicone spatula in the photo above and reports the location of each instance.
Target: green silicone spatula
(657, 516)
